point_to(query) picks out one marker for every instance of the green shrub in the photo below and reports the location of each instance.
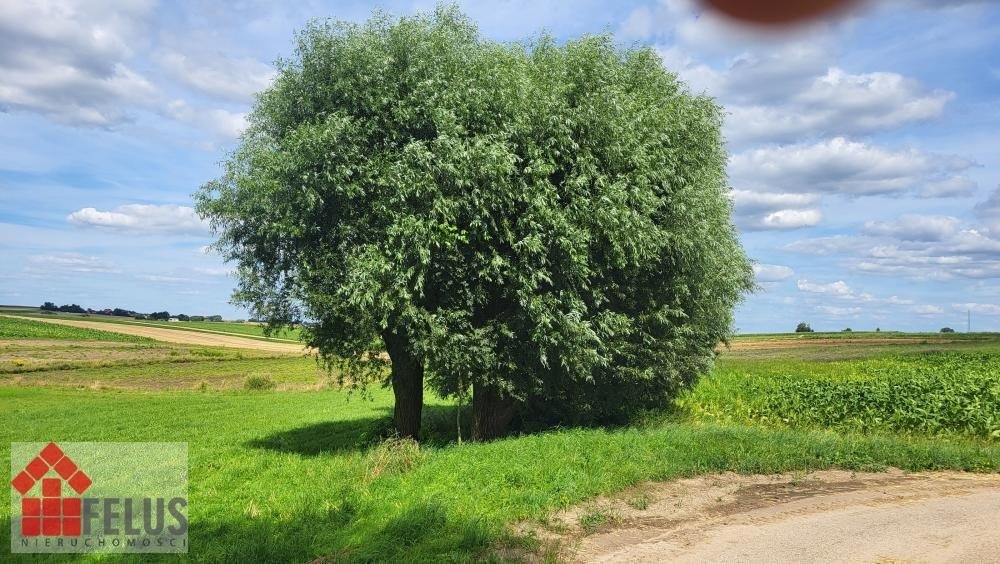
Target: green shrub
(596, 517)
(393, 456)
(640, 502)
(258, 382)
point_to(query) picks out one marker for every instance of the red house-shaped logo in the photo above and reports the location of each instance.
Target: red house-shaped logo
(51, 515)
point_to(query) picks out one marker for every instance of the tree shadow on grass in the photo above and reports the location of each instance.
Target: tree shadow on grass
(323, 438)
(346, 533)
(438, 428)
(418, 532)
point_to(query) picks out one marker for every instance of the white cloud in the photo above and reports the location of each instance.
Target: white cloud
(236, 79)
(914, 247)
(839, 311)
(167, 279)
(838, 288)
(824, 246)
(75, 62)
(838, 166)
(986, 309)
(923, 265)
(941, 4)
(988, 211)
(842, 292)
(69, 60)
(215, 271)
(748, 201)
(953, 187)
(188, 275)
(69, 262)
(72, 96)
(991, 205)
(142, 218)
(779, 87)
(772, 272)
(754, 78)
(640, 24)
(914, 227)
(879, 99)
(699, 77)
(688, 26)
(837, 103)
(222, 123)
(791, 219)
(756, 211)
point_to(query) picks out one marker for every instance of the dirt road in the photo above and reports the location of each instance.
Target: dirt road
(178, 335)
(829, 516)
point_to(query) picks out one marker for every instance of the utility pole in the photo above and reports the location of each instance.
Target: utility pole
(969, 326)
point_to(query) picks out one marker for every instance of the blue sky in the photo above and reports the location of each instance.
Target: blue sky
(864, 150)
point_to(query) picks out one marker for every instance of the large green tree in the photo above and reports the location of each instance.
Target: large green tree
(545, 224)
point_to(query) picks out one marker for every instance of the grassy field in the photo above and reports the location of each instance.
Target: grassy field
(300, 471)
(253, 330)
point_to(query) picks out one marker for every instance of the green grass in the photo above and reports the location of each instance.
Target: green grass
(26, 329)
(289, 476)
(292, 475)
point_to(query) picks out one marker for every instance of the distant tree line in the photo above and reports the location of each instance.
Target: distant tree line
(70, 308)
(804, 327)
(121, 312)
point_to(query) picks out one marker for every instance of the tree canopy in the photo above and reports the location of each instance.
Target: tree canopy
(547, 224)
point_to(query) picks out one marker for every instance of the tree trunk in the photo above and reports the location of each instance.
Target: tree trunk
(407, 384)
(492, 412)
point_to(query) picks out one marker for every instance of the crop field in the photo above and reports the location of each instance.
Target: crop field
(284, 466)
(935, 392)
(11, 329)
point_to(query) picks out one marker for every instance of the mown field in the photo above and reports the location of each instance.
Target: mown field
(300, 470)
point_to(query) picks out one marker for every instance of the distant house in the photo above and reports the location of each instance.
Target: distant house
(174, 320)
